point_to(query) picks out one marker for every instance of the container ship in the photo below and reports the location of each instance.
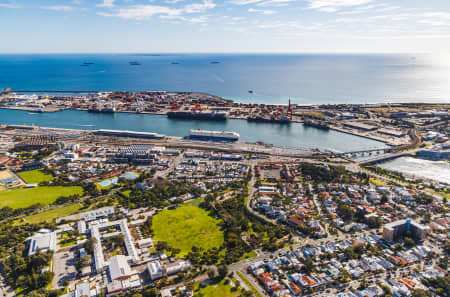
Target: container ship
(198, 115)
(316, 124)
(213, 135)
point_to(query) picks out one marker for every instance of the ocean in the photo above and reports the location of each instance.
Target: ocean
(274, 78)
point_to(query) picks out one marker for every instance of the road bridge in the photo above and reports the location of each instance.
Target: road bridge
(383, 158)
(368, 151)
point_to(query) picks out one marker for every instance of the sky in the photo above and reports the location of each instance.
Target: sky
(224, 26)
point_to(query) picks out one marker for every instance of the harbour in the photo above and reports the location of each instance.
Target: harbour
(293, 135)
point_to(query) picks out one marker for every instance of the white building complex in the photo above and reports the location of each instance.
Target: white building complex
(44, 240)
(97, 227)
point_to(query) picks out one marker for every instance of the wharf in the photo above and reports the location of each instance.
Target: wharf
(384, 139)
(169, 141)
(33, 109)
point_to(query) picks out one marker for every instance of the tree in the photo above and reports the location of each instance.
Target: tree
(345, 274)
(308, 265)
(409, 242)
(223, 271)
(374, 222)
(420, 293)
(90, 244)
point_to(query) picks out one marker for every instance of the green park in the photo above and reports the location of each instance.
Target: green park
(187, 226)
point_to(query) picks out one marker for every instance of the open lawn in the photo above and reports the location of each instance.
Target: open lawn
(377, 182)
(49, 215)
(126, 193)
(249, 284)
(187, 226)
(35, 176)
(24, 197)
(221, 289)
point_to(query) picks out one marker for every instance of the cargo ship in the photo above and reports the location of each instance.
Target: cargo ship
(213, 135)
(198, 115)
(316, 124)
(271, 119)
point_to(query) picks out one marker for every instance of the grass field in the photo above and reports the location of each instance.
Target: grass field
(377, 182)
(21, 198)
(49, 215)
(35, 176)
(126, 193)
(249, 284)
(187, 226)
(221, 289)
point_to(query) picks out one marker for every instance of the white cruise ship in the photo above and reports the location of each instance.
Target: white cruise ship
(213, 135)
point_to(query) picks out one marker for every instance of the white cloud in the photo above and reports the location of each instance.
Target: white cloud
(263, 11)
(58, 7)
(9, 5)
(335, 5)
(142, 12)
(199, 7)
(245, 2)
(106, 3)
(263, 2)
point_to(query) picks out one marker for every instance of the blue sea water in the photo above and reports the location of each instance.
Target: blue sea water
(304, 78)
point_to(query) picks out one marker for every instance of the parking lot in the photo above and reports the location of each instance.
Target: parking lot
(64, 267)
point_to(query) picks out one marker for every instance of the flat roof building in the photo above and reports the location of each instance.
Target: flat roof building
(82, 290)
(360, 126)
(132, 254)
(98, 213)
(119, 267)
(397, 229)
(45, 241)
(155, 270)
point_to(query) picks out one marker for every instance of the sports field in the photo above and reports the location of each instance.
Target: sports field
(187, 226)
(24, 197)
(49, 215)
(35, 176)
